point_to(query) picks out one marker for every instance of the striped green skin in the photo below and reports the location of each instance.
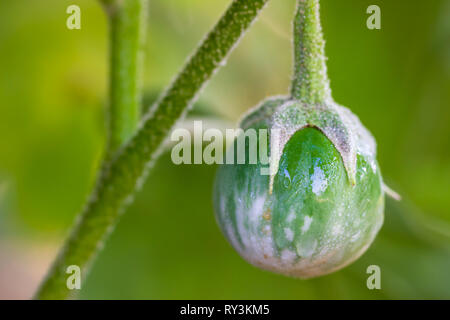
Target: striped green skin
(314, 222)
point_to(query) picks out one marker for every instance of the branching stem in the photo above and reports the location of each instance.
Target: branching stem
(127, 169)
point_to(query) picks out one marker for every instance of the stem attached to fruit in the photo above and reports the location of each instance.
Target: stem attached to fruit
(126, 171)
(310, 82)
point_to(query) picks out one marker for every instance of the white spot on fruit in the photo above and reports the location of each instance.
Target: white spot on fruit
(355, 237)
(288, 256)
(307, 248)
(289, 234)
(306, 223)
(290, 217)
(257, 208)
(337, 229)
(319, 182)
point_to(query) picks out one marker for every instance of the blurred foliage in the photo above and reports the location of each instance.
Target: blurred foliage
(53, 85)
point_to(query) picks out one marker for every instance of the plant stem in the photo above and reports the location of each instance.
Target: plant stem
(310, 82)
(127, 27)
(128, 168)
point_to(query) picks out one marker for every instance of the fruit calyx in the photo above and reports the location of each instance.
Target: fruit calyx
(311, 103)
(336, 122)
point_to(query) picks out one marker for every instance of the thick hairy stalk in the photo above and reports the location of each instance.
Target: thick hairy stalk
(127, 170)
(310, 80)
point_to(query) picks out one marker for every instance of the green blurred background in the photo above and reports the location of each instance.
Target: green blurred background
(53, 88)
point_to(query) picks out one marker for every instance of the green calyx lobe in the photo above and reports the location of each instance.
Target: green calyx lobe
(316, 212)
(287, 116)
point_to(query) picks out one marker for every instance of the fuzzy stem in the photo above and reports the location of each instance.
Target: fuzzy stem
(127, 169)
(127, 25)
(310, 82)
